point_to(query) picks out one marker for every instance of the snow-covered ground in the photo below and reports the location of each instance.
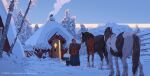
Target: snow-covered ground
(13, 66)
(54, 67)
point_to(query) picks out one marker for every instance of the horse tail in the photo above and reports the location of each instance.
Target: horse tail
(135, 53)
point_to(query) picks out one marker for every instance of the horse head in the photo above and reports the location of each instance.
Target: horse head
(85, 36)
(108, 32)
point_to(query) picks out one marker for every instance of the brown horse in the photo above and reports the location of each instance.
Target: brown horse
(94, 44)
(123, 45)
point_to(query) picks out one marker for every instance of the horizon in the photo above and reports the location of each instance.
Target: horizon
(94, 25)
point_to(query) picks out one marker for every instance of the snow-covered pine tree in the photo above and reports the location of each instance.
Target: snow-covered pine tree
(69, 22)
(51, 17)
(66, 19)
(137, 29)
(21, 25)
(73, 25)
(82, 29)
(36, 27)
(26, 30)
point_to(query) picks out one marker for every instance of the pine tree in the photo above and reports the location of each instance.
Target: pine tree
(83, 28)
(26, 30)
(72, 25)
(69, 23)
(51, 18)
(21, 25)
(36, 27)
(137, 29)
(8, 20)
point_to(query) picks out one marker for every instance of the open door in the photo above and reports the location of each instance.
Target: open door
(57, 47)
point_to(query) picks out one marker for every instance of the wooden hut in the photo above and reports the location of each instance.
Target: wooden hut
(52, 38)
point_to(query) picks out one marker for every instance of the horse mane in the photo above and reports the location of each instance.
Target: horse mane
(108, 30)
(88, 35)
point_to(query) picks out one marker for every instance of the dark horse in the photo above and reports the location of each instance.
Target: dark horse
(123, 46)
(94, 44)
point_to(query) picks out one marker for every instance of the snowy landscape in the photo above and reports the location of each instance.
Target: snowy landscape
(23, 61)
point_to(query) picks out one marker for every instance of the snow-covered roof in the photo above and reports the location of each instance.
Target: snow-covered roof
(40, 38)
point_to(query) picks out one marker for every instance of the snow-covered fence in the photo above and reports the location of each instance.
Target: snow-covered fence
(145, 41)
(144, 34)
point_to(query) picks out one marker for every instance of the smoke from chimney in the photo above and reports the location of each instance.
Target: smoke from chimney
(58, 5)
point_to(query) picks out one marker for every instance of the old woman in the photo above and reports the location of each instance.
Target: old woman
(74, 53)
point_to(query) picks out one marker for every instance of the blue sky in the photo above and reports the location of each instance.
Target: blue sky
(93, 11)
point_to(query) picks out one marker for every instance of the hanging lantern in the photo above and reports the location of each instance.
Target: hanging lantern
(55, 45)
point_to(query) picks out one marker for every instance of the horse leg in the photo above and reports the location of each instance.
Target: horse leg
(111, 65)
(101, 64)
(88, 60)
(106, 55)
(93, 60)
(117, 67)
(141, 69)
(110, 62)
(102, 57)
(125, 67)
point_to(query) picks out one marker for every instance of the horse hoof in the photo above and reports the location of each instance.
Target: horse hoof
(100, 68)
(117, 74)
(92, 66)
(141, 75)
(124, 74)
(88, 65)
(111, 75)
